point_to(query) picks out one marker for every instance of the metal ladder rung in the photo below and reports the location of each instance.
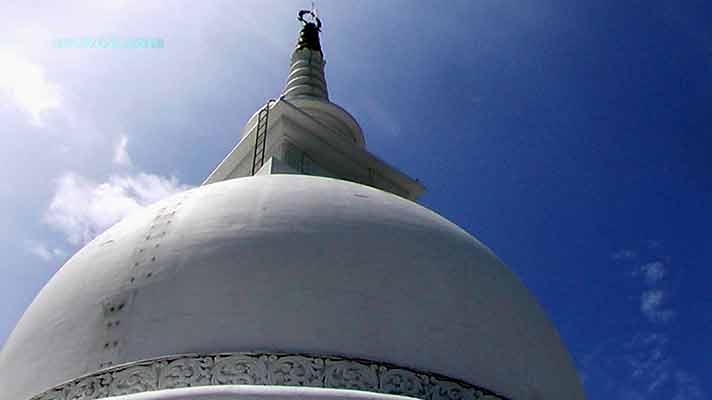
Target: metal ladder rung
(258, 158)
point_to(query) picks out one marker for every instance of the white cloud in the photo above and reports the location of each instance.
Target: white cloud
(81, 208)
(26, 83)
(651, 304)
(653, 272)
(121, 155)
(43, 251)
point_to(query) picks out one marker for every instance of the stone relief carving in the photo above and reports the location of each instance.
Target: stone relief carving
(93, 387)
(296, 371)
(446, 390)
(185, 372)
(239, 370)
(346, 374)
(134, 380)
(265, 369)
(403, 382)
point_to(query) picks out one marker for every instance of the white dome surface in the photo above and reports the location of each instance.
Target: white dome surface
(296, 264)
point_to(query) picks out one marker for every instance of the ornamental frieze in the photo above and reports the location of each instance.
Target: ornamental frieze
(265, 369)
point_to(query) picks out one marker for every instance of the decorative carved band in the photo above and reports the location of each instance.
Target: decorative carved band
(265, 369)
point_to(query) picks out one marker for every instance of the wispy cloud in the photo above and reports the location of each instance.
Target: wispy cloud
(653, 244)
(121, 154)
(653, 272)
(43, 251)
(687, 387)
(647, 357)
(653, 300)
(652, 306)
(649, 368)
(81, 208)
(624, 255)
(636, 367)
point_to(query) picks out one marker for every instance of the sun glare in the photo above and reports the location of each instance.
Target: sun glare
(26, 83)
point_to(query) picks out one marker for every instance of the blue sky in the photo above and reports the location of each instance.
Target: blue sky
(570, 137)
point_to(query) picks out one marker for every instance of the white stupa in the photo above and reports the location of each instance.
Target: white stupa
(301, 268)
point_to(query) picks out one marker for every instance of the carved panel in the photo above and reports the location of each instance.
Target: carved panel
(296, 371)
(93, 387)
(185, 372)
(134, 380)
(449, 390)
(344, 374)
(403, 382)
(239, 370)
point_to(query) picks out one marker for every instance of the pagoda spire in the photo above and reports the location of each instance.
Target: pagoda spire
(304, 133)
(306, 72)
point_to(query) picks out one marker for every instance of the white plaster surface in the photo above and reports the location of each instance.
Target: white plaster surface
(306, 75)
(327, 135)
(296, 264)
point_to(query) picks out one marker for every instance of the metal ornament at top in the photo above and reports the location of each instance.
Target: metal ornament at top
(309, 35)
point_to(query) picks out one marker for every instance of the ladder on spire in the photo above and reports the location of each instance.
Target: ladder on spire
(258, 158)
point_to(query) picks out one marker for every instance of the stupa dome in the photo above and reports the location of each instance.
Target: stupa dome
(309, 267)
